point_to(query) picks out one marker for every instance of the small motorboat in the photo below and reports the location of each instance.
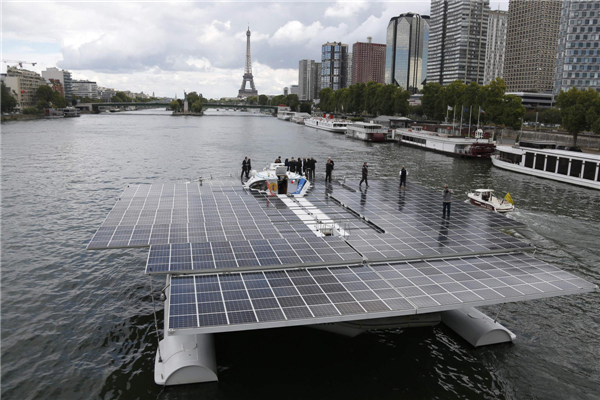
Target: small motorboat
(486, 198)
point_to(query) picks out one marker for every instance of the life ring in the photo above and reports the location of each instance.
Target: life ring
(273, 187)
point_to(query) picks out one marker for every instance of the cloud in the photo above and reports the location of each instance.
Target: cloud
(346, 9)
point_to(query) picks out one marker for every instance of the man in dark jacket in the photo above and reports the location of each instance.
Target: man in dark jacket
(447, 200)
(292, 165)
(365, 175)
(403, 174)
(328, 169)
(248, 167)
(299, 166)
(244, 163)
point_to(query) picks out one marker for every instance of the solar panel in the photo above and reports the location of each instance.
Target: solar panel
(249, 254)
(263, 299)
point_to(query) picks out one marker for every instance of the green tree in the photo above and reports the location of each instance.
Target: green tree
(293, 101)
(327, 101)
(58, 100)
(513, 111)
(494, 102)
(453, 95)
(578, 110)
(401, 105)
(252, 100)
(432, 101)
(174, 105)
(197, 106)
(263, 100)
(415, 110)
(384, 100)
(7, 100)
(44, 92)
(371, 97)
(306, 107)
(42, 104)
(357, 98)
(550, 116)
(342, 100)
(192, 97)
(30, 110)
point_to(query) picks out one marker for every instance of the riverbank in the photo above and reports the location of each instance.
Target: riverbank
(21, 117)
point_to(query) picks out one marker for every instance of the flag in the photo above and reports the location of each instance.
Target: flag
(465, 109)
(450, 108)
(481, 111)
(509, 199)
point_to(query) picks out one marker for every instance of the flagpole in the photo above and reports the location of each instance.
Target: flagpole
(446, 113)
(470, 112)
(453, 121)
(478, 114)
(462, 108)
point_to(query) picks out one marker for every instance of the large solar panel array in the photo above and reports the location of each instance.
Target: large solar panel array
(261, 299)
(248, 254)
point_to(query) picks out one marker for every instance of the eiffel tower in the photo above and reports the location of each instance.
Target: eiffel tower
(248, 72)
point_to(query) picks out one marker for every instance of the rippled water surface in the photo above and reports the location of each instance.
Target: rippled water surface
(78, 324)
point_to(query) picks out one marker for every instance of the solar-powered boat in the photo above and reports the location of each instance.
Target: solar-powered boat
(276, 179)
(333, 257)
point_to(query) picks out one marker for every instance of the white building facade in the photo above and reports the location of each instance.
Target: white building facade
(495, 46)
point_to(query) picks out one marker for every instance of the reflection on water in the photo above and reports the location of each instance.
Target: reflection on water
(78, 324)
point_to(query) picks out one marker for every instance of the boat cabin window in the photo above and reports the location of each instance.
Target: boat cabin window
(537, 145)
(260, 185)
(563, 166)
(551, 164)
(511, 157)
(529, 159)
(589, 172)
(539, 161)
(576, 167)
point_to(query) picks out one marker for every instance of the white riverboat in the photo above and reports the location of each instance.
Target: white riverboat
(560, 165)
(71, 112)
(478, 147)
(367, 132)
(485, 198)
(299, 118)
(328, 124)
(285, 115)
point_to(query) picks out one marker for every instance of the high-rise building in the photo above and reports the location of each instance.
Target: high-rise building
(24, 84)
(457, 40)
(350, 76)
(531, 45)
(368, 62)
(578, 58)
(85, 89)
(334, 65)
(308, 79)
(294, 89)
(406, 51)
(65, 79)
(496, 45)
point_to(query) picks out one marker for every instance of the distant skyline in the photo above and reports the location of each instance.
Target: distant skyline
(168, 47)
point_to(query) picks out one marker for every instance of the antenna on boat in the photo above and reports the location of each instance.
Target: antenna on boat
(155, 319)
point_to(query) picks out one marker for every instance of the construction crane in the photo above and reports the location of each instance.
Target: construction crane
(18, 62)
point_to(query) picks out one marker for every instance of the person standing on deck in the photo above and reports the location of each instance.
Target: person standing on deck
(403, 174)
(299, 166)
(292, 165)
(365, 175)
(447, 199)
(244, 163)
(287, 164)
(328, 169)
(248, 167)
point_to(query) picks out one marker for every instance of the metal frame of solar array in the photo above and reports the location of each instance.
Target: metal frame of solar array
(293, 277)
(275, 298)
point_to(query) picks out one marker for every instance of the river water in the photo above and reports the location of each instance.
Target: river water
(78, 324)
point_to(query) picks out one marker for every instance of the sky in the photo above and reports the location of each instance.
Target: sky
(166, 47)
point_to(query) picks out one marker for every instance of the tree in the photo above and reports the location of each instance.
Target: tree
(7, 100)
(174, 105)
(431, 101)
(579, 110)
(512, 112)
(341, 99)
(42, 104)
(357, 98)
(384, 100)
(494, 102)
(192, 97)
(327, 101)
(550, 116)
(401, 105)
(371, 97)
(252, 100)
(415, 110)
(197, 106)
(293, 101)
(305, 107)
(44, 92)
(263, 100)
(58, 100)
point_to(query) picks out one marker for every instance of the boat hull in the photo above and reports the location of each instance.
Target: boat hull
(489, 206)
(546, 175)
(325, 127)
(477, 156)
(367, 137)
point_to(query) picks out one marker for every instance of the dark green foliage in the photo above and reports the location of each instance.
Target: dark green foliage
(579, 110)
(7, 100)
(263, 100)
(306, 107)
